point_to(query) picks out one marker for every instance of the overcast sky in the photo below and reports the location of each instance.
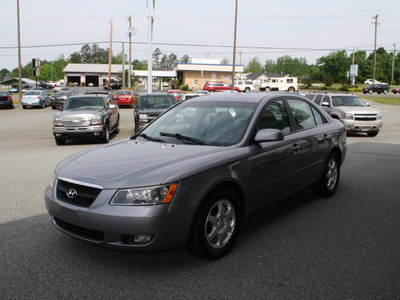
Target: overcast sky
(292, 24)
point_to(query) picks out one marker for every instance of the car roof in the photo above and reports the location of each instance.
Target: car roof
(245, 97)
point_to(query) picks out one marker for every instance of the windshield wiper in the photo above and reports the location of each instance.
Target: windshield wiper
(183, 138)
(149, 138)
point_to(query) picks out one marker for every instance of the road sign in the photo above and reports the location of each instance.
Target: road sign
(35, 62)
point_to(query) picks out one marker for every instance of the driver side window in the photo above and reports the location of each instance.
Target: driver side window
(274, 116)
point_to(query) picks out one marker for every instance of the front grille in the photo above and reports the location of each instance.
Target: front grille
(365, 117)
(85, 233)
(76, 122)
(84, 197)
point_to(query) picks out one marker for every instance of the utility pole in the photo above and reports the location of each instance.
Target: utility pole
(394, 53)
(130, 52)
(110, 59)
(234, 49)
(376, 29)
(19, 54)
(123, 65)
(150, 16)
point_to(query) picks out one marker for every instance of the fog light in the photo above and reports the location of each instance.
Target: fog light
(139, 239)
(97, 133)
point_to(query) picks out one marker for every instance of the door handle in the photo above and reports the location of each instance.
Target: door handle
(296, 148)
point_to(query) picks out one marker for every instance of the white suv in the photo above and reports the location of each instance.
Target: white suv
(245, 85)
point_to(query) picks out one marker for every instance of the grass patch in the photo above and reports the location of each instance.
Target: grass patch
(384, 100)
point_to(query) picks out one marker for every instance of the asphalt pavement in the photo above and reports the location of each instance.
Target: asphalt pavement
(307, 247)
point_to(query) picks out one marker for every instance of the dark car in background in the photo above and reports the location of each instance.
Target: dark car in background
(149, 107)
(190, 177)
(114, 86)
(6, 99)
(86, 117)
(376, 88)
(60, 98)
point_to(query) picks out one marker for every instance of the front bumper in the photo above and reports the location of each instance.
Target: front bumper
(362, 126)
(78, 131)
(113, 226)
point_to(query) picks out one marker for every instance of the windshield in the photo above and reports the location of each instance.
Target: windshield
(84, 103)
(32, 93)
(161, 101)
(123, 93)
(347, 101)
(208, 122)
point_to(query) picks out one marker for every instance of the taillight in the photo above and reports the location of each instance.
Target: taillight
(38, 97)
(9, 98)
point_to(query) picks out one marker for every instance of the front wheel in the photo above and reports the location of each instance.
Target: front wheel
(60, 142)
(246, 90)
(216, 225)
(385, 92)
(106, 137)
(330, 177)
(373, 133)
(370, 91)
(267, 89)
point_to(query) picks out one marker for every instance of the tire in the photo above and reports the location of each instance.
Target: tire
(211, 91)
(117, 128)
(373, 133)
(292, 89)
(216, 225)
(23, 107)
(330, 177)
(60, 142)
(267, 89)
(106, 137)
(43, 105)
(246, 90)
(370, 91)
(395, 92)
(385, 92)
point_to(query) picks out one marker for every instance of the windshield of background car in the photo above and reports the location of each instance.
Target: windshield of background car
(347, 101)
(63, 93)
(154, 101)
(123, 93)
(2, 93)
(32, 93)
(212, 123)
(84, 103)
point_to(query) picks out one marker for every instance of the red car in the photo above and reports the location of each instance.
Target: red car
(218, 86)
(175, 93)
(124, 97)
(396, 90)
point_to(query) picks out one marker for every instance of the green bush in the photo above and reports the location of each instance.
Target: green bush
(184, 87)
(328, 81)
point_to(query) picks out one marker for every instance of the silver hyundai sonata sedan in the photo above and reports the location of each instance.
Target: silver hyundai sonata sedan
(192, 175)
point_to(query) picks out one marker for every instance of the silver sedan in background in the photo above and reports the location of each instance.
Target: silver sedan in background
(192, 175)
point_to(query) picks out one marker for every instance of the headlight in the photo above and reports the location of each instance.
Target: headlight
(143, 118)
(347, 116)
(145, 196)
(96, 120)
(57, 121)
(379, 116)
(53, 180)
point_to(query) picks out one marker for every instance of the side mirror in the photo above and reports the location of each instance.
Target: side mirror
(367, 104)
(268, 135)
(325, 103)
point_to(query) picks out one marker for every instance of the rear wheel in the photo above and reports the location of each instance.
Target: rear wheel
(211, 91)
(385, 92)
(216, 225)
(43, 105)
(291, 89)
(246, 90)
(267, 89)
(117, 128)
(23, 106)
(330, 177)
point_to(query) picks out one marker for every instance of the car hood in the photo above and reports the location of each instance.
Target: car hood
(357, 109)
(133, 163)
(71, 114)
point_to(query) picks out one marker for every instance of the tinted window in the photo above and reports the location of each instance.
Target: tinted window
(318, 99)
(318, 117)
(347, 101)
(84, 103)
(302, 114)
(156, 101)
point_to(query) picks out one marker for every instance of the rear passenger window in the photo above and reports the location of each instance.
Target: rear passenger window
(274, 116)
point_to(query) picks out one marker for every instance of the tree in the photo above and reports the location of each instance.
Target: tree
(185, 59)
(254, 66)
(335, 65)
(172, 61)
(225, 61)
(75, 58)
(4, 73)
(156, 57)
(94, 54)
(45, 72)
(139, 65)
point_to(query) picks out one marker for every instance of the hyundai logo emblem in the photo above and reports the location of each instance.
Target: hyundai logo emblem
(71, 194)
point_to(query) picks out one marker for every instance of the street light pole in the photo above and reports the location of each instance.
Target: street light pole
(234, 48)
(150, 16)
(376, 28)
